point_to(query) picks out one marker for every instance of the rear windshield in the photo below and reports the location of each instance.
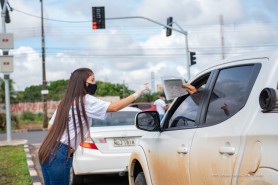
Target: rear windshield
(115, 119)
(144, 106)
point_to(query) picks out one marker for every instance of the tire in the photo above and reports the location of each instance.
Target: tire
(140, 179)
(76, 179)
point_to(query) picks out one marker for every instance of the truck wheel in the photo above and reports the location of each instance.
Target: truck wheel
(140, 179)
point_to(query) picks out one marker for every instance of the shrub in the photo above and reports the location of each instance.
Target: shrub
(29, 116)
(14, 122)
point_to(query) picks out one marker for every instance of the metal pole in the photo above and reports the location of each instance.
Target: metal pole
(44, 84)
(166, 26)
(222, 37)
(186, 50)
(8, 109)
(7, 87)
(141, 17)
(187, 58)
(123, 89)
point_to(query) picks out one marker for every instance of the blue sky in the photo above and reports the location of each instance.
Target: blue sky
(129, 50)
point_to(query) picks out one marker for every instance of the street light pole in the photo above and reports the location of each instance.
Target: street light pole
(186, 50)
(7, 79)
(44, 91)
(166, 26)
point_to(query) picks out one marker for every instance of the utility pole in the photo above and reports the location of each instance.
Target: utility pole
(222, 36)
(123, 89)
(44, 91)
(152, 82)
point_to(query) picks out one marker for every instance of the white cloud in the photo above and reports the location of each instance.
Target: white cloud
(23, 25)
(129, 50)
(26, 65)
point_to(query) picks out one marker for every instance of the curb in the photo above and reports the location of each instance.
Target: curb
(32, 170)
(25, 130)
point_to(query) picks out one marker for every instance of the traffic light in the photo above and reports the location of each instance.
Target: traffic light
(98, 17)
(192, 58)
(169, 23)
(7, 15)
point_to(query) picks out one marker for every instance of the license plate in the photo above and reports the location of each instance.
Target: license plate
(118, 142)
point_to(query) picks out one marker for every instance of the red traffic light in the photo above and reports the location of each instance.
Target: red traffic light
(98, 14)
(94, 25)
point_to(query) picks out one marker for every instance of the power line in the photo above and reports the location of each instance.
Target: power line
(56, 20)
(233, 25)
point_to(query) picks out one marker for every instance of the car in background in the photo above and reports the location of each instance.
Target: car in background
(226, 133)
(109, 148)
(144, 106)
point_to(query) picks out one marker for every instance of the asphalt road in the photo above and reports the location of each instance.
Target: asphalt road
(35, 138)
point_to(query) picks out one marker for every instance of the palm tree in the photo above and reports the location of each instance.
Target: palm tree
(2, 91)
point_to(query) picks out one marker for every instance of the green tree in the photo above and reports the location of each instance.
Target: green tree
(148, 97)
(57, 89)
(2, 90)
(31, 94)
(109, 89)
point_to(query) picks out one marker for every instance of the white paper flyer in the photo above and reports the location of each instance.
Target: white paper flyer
(173, 87)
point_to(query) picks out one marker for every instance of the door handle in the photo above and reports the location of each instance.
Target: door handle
(227, 150)
(182, 150)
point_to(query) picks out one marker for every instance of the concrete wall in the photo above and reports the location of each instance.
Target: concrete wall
(37, 107)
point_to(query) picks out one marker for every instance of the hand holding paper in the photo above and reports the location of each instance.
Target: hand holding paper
(190, 88)
(173, 87)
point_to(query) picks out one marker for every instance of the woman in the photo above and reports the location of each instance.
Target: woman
(70, 123)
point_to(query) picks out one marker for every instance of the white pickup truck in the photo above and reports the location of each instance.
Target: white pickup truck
(225, 134)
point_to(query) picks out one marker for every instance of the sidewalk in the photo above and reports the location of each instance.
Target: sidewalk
(32, 171)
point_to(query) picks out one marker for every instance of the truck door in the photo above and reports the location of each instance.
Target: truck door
(217, 140)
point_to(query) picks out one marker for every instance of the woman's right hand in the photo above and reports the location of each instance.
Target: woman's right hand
(142, 88)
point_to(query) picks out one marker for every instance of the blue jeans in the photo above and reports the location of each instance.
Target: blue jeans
(161, 116)
(57, 170)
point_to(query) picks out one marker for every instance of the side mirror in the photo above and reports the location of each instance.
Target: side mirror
(148, 120)
(268, 99)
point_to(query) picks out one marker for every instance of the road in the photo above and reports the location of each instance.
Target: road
(35, 139)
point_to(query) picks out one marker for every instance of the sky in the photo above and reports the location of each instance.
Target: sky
(134, 51)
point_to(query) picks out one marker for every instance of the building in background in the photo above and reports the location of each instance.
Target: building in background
(159, 88)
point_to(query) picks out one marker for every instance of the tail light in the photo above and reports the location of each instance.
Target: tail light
(90, 143)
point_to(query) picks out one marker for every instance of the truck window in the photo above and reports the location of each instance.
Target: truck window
(187, 107)
(230, 93)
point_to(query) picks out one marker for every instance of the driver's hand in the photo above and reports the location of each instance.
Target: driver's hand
(190, 88)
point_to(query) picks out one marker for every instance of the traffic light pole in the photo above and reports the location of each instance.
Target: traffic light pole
(186, 50)
(7, 79)
(166, 26)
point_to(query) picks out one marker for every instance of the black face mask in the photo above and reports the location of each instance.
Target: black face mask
(91, 89)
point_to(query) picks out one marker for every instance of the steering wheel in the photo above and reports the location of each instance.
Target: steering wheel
(181, 119)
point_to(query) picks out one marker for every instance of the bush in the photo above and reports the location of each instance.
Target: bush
(23, 118)
(14, 122)
(29, 116)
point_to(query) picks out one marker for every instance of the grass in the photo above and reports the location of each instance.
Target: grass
(13, 166)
